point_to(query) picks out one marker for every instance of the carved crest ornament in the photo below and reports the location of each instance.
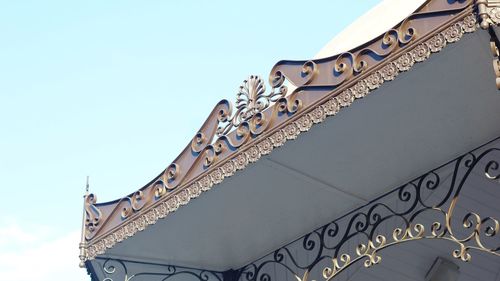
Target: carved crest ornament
(230, 138)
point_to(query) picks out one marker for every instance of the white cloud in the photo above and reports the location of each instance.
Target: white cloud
(12, 233)
(34, 253)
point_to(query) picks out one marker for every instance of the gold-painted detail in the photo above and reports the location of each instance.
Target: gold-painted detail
(481, 227)
(304, 277)
(488, 12)
(496, 61)
(330, 107)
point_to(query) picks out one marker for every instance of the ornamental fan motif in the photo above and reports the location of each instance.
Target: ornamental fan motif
(251, 99)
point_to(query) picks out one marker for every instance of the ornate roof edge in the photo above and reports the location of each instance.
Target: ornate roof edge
(262, 121)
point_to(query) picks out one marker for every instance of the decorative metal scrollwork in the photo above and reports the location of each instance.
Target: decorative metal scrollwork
(92, 214)
(434, 194)
(118, 270)
(339, 69)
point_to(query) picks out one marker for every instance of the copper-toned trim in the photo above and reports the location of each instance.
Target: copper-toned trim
(216, 153)
(336, 70)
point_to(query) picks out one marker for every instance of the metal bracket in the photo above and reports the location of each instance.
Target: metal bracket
(489, 12)
(494, 47)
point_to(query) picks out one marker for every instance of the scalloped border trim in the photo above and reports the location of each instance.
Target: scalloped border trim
(331, 107)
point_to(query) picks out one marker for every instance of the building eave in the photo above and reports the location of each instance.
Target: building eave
(227, 143)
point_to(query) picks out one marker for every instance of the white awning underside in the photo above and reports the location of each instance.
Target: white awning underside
(439, 109)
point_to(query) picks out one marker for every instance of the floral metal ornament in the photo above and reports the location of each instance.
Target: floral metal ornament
(251, 99)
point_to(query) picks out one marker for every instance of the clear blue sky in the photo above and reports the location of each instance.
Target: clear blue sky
(115, 90)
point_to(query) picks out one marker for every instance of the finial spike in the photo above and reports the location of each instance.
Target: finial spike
(83, 242)
(87, 186)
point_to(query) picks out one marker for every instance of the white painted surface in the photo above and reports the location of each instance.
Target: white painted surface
(375, 22)
(372, 24)
(424, 118)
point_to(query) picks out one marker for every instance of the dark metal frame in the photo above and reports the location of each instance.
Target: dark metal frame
(329, 242)
(119, 270)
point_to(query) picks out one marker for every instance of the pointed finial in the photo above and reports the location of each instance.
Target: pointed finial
(83, 243)
(87, 186)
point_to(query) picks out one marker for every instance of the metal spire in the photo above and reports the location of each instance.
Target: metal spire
(87, 186)
(83, 244)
